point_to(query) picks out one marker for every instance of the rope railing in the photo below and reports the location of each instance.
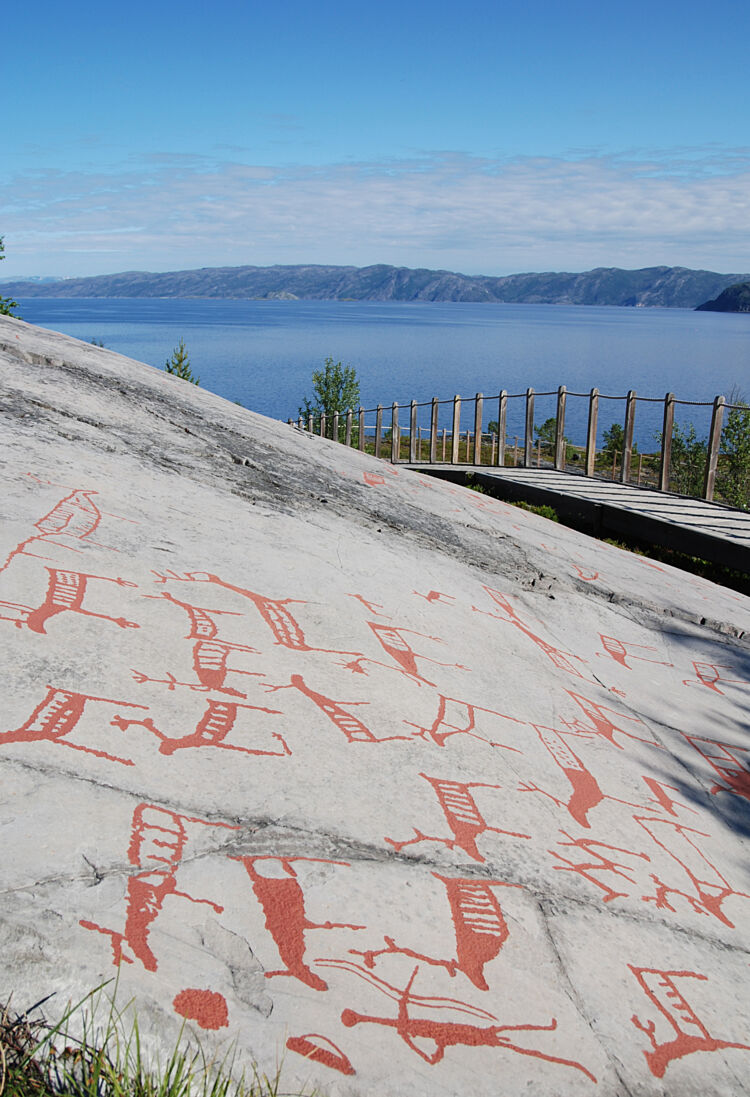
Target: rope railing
(443, 440)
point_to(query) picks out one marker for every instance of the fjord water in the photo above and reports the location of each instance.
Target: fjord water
(262, 353)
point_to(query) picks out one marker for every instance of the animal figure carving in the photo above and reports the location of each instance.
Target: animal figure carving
(157, 844)
(462, 815)
(677, 1016)
(57, 716)
(479, 924)
(211, 730)
(283, 903)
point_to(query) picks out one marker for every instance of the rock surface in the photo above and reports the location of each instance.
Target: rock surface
(413, 791)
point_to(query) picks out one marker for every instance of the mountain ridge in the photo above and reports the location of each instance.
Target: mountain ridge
(661, 286)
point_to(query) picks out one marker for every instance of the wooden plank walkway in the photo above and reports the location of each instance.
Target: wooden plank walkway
(711, 531)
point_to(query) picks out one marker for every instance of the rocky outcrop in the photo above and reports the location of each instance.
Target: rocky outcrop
(735, 298)
(373, 774)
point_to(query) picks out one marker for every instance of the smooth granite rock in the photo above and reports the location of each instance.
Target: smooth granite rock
(393, 784)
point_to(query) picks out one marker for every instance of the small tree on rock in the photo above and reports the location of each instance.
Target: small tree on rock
(7, 304)
(179, 364)
(335, 389)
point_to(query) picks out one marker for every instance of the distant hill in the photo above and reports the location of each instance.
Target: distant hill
(735, 298)
(666, 287)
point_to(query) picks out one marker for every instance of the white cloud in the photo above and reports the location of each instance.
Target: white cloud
(443, 210)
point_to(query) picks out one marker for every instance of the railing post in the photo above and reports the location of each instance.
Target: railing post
(528, 449)
(502, 415)
(378, 428)
(666, 442)
(591, 433)
(348, 434)
(310, 422)
(433, 430)
(445, 433)
(455, 437)
(493, 443)
(413, 431)
(361, 425)
(562, 395)
(300, 423)
(478, 416)
(395, 435)
(335, 427)
(322, 424)
(714, 444)
(627, 445)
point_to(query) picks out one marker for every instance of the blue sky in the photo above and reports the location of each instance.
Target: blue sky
(481, 137)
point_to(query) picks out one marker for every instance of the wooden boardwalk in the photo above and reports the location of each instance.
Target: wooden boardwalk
(711, 531)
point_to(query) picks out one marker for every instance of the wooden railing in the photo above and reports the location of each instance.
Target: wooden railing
(420, 443)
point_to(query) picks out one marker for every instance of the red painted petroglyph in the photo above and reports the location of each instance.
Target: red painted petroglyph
(351, 726)
(436, 596)
(464, 714)
(725, 759)
(462, 815)
(663, 800)
(650, 564)
(211, 730)
(622, 650)
(18, 613)
(207, 1007)
(602, 725)
(172, 682)
(690, 1034)
(373, 479)
(711, 888)
(76, 516)
(65, 593)
(601, 863)
(586, 574)
(559, 658)
(708, 674)
(371, 607)
(57, 716)
(480, 927)
(392, 641)
(157, 843)
(414, 1031)
(586, 794)
(283, 903)
(331, 1056)
(210, 652)
(283, 625)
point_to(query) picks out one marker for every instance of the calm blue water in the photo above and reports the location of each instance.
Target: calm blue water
(262, 353)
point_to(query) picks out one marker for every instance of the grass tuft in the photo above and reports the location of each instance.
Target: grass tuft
(96, 1050)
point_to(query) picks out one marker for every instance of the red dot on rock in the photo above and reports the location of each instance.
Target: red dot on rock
(207, 1007)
